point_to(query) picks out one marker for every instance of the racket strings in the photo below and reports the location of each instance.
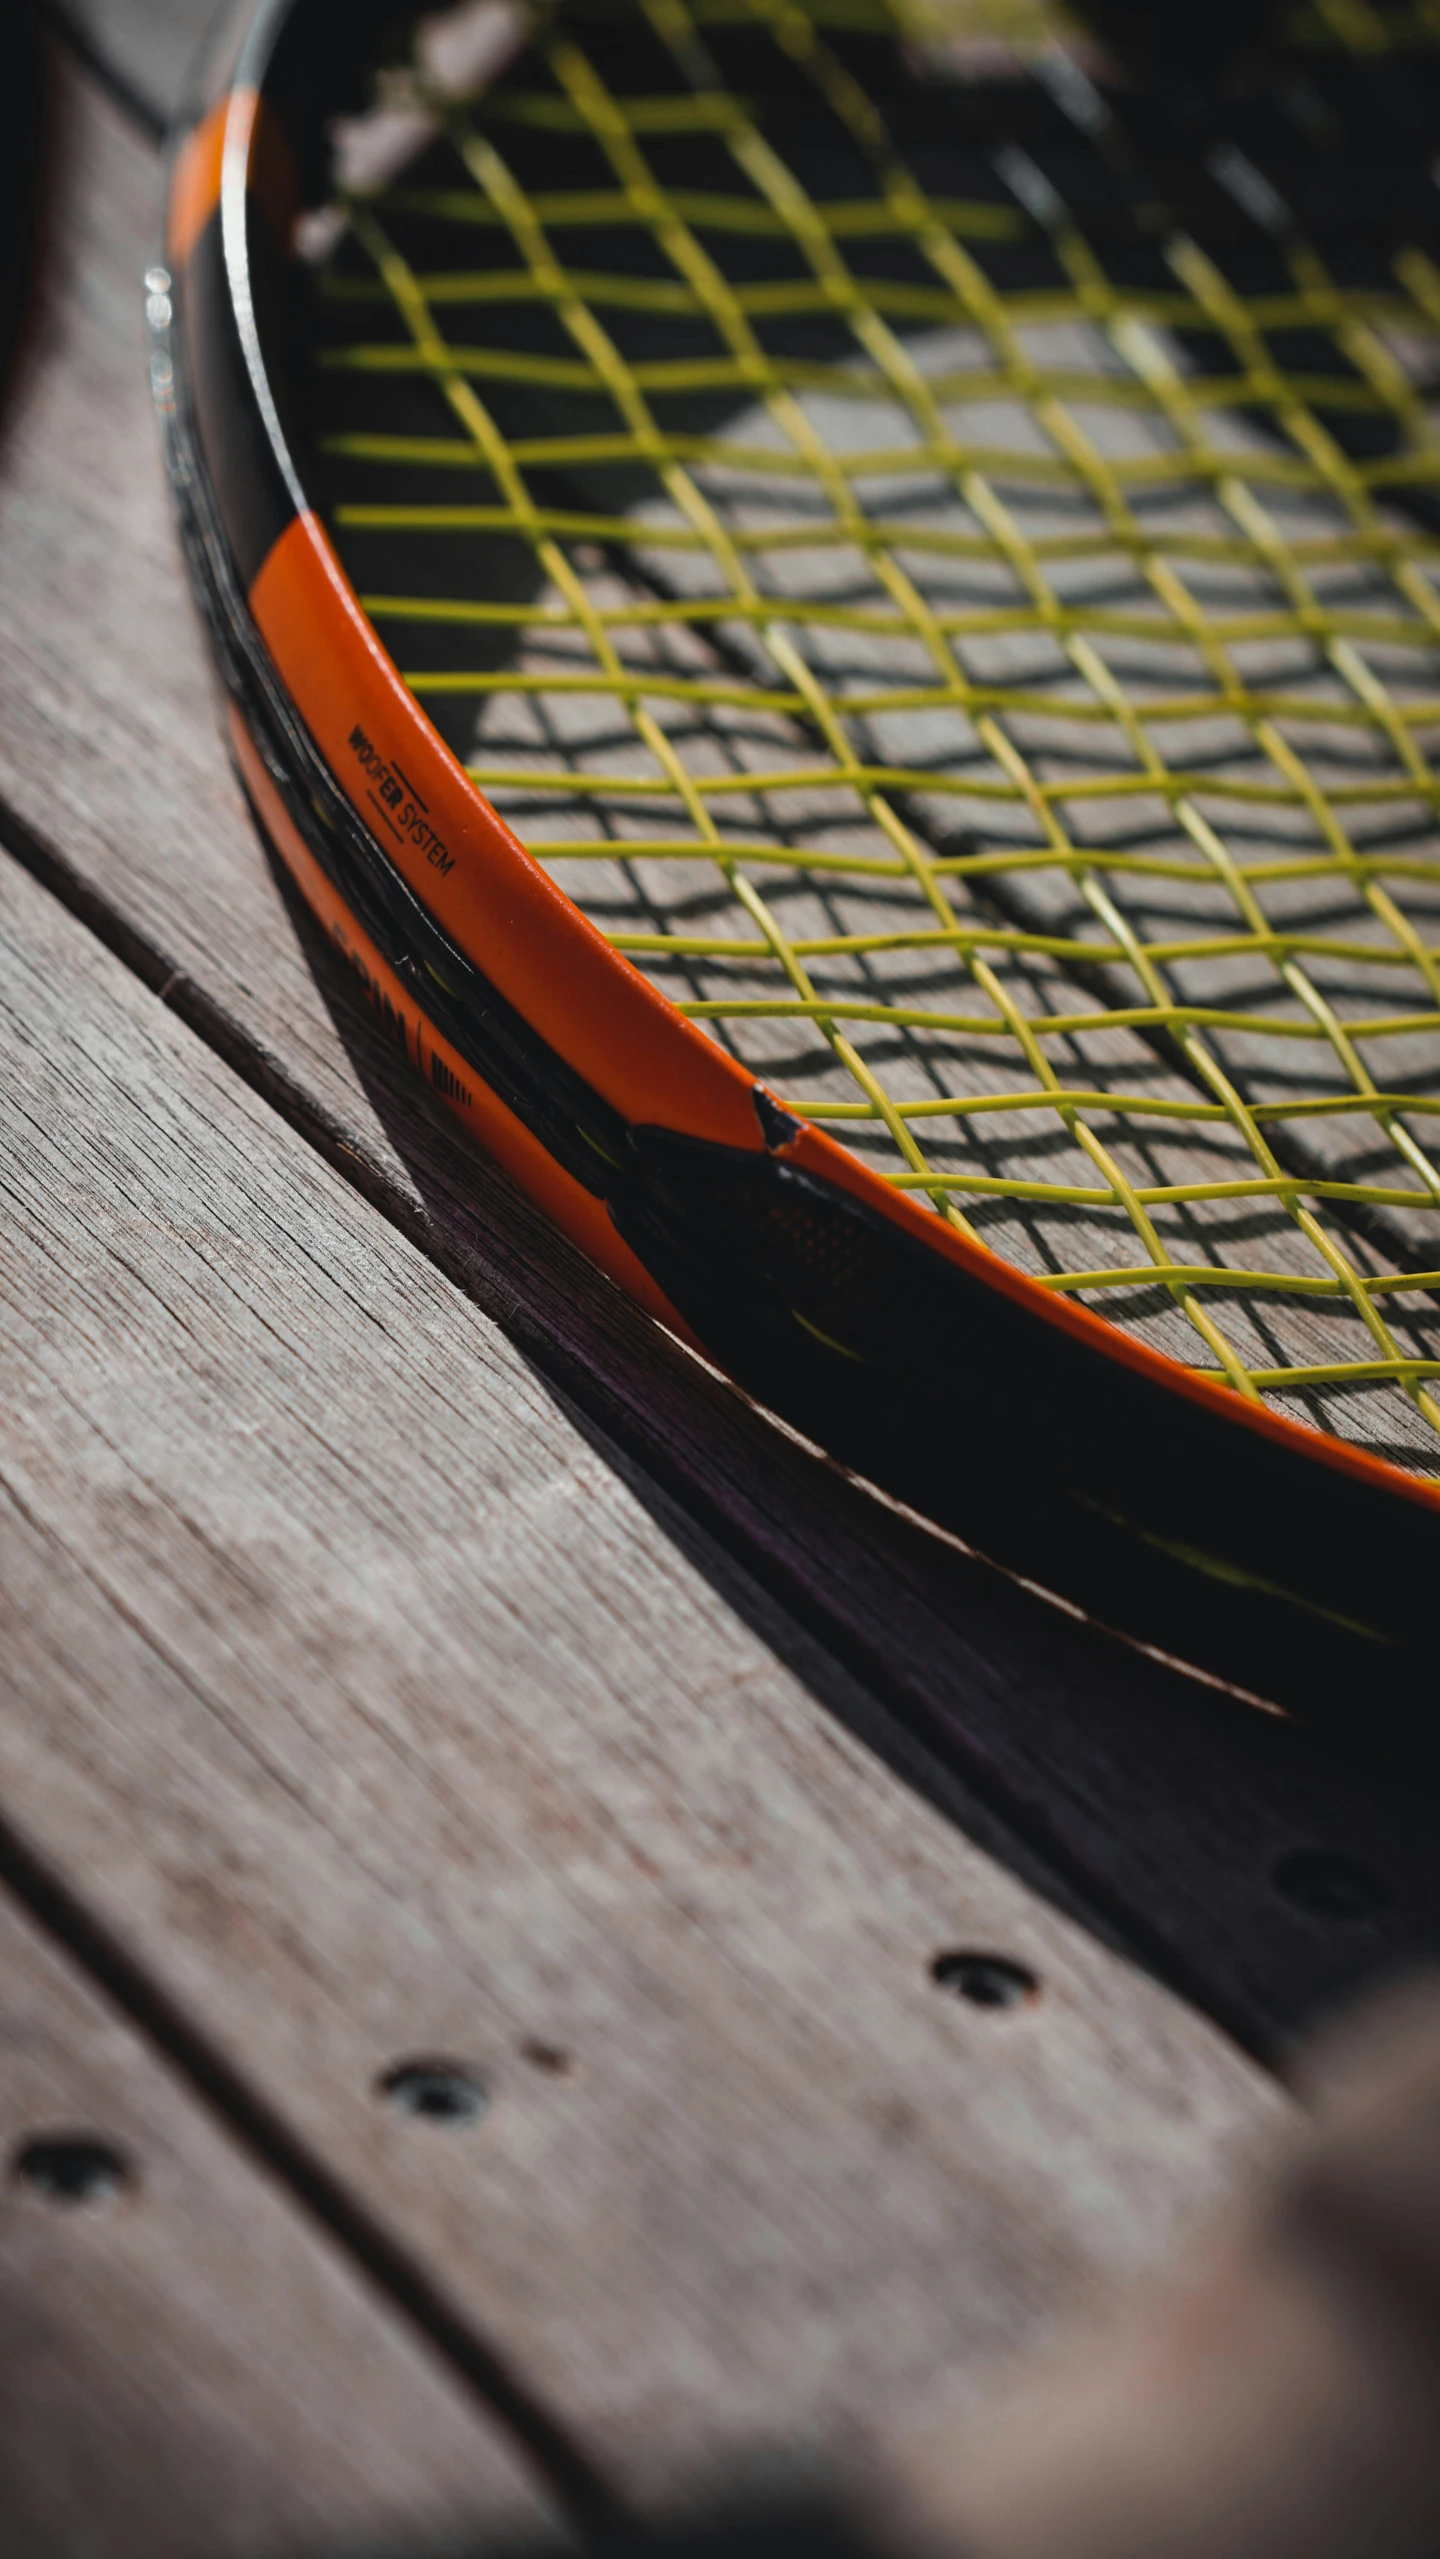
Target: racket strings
(1063, 429)
(976, 826)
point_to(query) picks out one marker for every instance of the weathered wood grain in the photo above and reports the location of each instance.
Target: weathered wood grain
(187, 2366)
(1158, 1801)
(381, 1722)
(150, 45)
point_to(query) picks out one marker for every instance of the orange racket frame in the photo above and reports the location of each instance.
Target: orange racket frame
(1269, 1555)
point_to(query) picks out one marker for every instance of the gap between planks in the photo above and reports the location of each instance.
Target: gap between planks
(187, 2363)
(1152, 1807)
(394, 2276)
(783, 2186)
(381, 1721)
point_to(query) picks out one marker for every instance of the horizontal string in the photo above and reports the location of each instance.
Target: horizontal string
(1246, 584)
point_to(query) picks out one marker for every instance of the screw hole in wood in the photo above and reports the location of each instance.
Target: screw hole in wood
(435, 2092)
(73, 2169)
(987, 1981)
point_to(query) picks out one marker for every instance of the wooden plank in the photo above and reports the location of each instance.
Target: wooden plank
(150, 45)
(374, 1713)
(1161, 1803)
(187, 2365)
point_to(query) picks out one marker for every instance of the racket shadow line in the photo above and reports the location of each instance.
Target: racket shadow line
(1008, 1713)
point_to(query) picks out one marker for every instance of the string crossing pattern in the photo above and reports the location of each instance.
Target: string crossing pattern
(965, 625)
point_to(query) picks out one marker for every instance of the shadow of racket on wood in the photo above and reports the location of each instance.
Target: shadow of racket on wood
(1157, 1809)
(1058, 1124)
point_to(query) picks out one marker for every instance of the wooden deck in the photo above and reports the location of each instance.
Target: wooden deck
(413, 1657)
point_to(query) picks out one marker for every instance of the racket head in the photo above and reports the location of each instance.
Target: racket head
(1283, 1560)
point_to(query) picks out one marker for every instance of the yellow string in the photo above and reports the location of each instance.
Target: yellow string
(665, 663)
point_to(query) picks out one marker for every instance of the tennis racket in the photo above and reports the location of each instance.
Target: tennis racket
(836, 615)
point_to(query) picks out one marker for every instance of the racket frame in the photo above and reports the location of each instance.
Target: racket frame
(1267, 1553)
